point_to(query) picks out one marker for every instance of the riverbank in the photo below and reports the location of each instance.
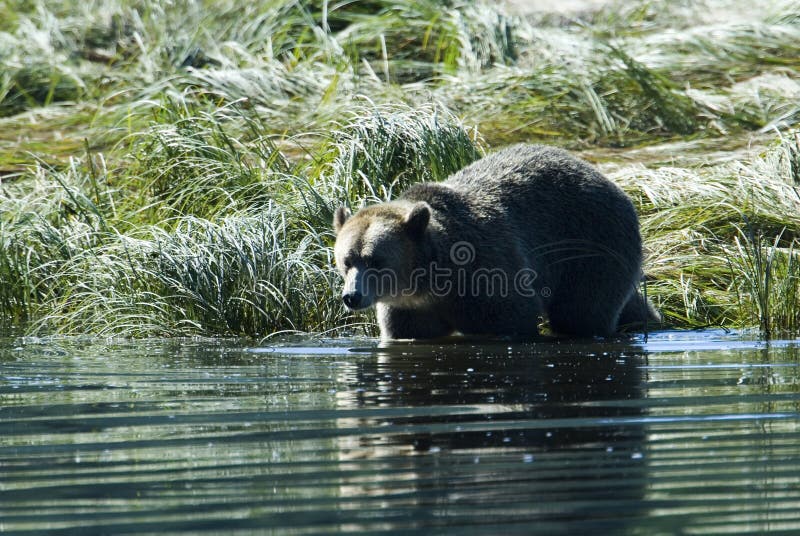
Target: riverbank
(173, 172)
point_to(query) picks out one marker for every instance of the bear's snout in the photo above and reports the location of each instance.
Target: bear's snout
(353, 299)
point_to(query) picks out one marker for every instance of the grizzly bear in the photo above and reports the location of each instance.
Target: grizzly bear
(525, 232)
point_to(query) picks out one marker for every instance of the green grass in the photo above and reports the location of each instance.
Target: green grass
(706, 230)
(169, 171)
(769, 276)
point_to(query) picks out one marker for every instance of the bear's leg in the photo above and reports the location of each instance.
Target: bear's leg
(514, 316)
(586, 312)
(524, 325)
(398, 323)
(639, 313)
(518, 320)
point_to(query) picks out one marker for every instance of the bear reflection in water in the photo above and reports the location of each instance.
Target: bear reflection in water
(550, 429)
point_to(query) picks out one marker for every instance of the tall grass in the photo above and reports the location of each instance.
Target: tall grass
(767, 278)
(244, 275)
(196, 162)
(173, 169)
(378, 151)
(709, 268)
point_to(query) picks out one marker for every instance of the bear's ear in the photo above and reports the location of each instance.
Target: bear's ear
(340, 217)
(417, 220)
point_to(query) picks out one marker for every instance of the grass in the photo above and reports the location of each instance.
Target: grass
(769, 275)
(241, 275)
(170, 171)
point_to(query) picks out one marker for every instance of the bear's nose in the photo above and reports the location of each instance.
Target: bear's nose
(352, 299)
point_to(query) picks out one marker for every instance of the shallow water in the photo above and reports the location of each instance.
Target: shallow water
(685, 433)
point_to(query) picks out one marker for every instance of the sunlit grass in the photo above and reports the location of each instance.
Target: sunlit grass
(377, 152)
(706, 235)
(204, 163)
(244, 275)
(767, 275)
(174, 171)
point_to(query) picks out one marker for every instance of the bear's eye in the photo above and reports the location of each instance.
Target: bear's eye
(348, 263)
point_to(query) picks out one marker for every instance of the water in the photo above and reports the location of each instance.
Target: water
(685, 433)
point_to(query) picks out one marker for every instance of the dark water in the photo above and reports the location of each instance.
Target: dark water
(693, 433)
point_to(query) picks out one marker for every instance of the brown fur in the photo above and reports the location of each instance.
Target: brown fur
(527, 210)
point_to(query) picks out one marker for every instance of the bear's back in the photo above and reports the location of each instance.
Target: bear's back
(525, 167)
(549, 192)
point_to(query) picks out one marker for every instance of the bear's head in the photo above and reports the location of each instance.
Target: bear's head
(377, 251)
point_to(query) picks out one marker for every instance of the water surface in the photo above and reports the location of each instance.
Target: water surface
(695, 433)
